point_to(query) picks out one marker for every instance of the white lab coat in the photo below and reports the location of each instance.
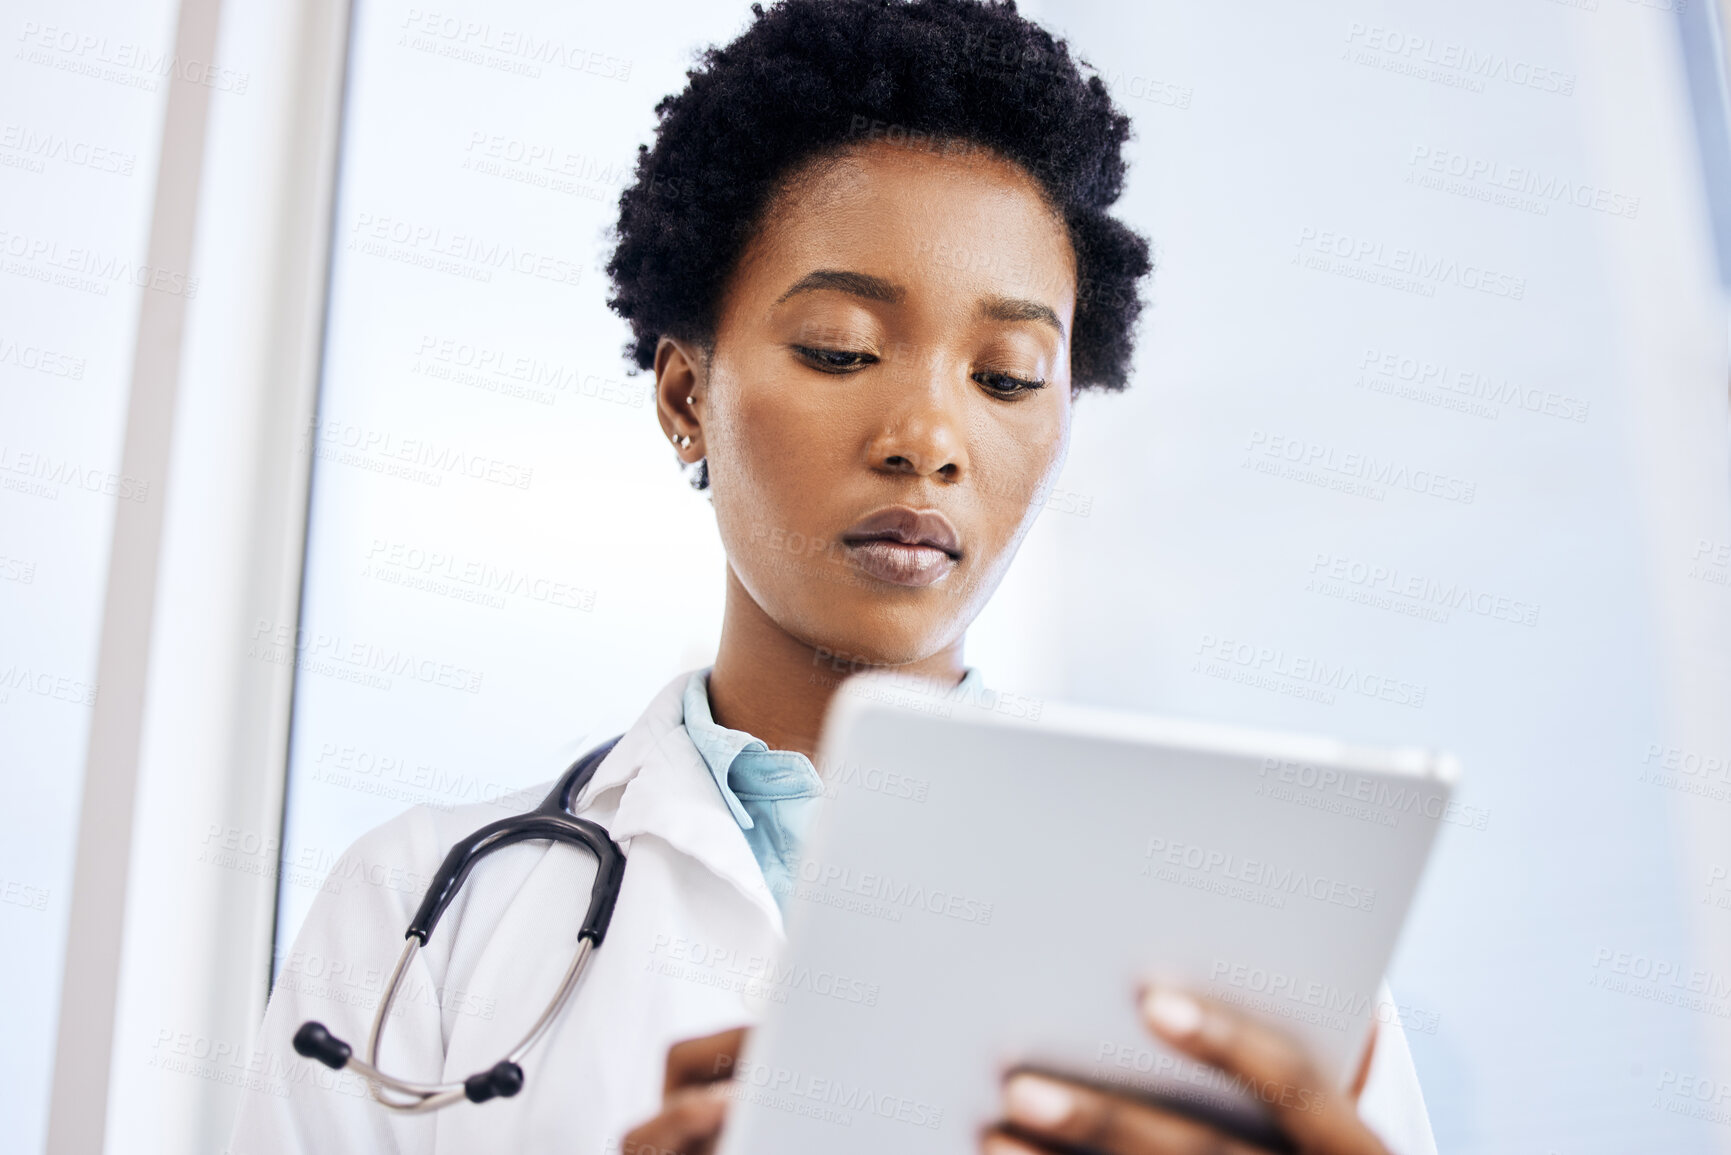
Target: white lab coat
(695, 920)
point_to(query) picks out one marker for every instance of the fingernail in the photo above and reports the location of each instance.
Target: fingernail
(1037, 1102)
(1174, 1015)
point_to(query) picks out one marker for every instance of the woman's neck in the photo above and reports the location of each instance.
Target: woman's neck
(776, 688)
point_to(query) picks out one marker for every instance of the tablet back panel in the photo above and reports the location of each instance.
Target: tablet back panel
(979, 894)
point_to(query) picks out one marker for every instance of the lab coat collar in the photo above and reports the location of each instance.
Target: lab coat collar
(668, 793)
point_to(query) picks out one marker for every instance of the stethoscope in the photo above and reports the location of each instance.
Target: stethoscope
(552, 820)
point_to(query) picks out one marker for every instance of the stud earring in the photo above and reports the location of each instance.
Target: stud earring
(690, 400)
(685, 443)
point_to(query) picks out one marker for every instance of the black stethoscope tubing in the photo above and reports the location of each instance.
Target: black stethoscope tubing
(551, 820)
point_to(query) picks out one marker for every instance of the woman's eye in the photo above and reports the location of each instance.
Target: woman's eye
(1005, 385)
(834, 360)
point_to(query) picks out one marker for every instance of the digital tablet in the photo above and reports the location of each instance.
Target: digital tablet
(984, 890)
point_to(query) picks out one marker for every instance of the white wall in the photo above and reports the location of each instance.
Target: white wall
(81, 99)
(212, 748)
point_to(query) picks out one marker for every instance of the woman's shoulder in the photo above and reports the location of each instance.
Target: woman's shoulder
(396, 860)
(1392, 1102)
(388, 868)
(423, 834)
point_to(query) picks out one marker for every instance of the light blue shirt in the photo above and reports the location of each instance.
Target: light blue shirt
(772, 794)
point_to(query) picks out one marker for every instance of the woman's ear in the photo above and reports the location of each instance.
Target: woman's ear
(680, 385)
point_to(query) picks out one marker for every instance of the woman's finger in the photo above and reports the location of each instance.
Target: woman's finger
(689, 1123)
(1273, 1066)
(1002, 1143)
(1046, 1113)
(1363, 1076)
(694, 1062)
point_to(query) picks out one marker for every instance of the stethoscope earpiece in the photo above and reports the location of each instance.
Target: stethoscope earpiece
(503, 1081)
(315, 1042)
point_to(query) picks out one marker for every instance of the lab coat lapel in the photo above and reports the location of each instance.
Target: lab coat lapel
(669, 794)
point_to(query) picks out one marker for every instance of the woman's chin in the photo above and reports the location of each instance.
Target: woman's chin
(863, 638)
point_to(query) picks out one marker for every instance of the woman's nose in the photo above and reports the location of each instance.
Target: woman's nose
(924, 440)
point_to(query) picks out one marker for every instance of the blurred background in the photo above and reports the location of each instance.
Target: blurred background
(324, 492)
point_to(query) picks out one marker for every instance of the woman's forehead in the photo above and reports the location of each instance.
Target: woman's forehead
(919, 216)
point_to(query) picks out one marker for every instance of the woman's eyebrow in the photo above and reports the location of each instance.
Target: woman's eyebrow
(877, 289)
(857, 284)
(1020, 309)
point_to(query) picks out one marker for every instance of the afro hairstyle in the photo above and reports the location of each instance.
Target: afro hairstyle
(809, 79)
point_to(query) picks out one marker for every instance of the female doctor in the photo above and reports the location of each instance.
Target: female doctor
(870, 263)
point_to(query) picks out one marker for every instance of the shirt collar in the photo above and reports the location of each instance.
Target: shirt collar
(745, 768)
(741, 764)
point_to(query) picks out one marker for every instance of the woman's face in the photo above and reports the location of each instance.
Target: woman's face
(888, 397)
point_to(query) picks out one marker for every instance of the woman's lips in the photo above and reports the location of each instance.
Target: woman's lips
(906, 547)
(904, 565)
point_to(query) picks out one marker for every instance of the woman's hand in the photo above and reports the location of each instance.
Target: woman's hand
(1045, 1115)
(693, 1098)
